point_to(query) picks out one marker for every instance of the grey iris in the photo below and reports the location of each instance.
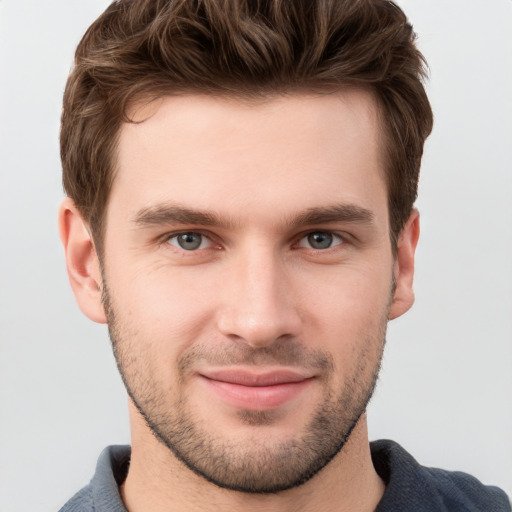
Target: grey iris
(189, 241)
(320, 240)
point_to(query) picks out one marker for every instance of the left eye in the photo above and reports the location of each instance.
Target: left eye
(320, 240)
(190, 241)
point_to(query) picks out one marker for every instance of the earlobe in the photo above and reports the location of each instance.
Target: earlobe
(403, 297)
(81, 261)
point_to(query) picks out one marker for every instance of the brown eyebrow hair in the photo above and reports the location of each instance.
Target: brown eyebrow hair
(175, 214)
(336, 213)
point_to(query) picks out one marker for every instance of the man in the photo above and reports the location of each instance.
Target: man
(241, 180)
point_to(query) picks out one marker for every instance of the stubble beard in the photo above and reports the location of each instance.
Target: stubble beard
(250, 466)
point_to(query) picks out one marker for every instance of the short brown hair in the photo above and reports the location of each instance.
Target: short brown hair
(142, 49)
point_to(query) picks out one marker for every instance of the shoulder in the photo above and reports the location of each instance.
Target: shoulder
(102, 493)
(410, 486)
(82, 501)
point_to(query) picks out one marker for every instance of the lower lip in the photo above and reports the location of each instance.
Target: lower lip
(257, 398)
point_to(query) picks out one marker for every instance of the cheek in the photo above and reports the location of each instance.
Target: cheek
(160, 313)
(350, 299)
(348, 318)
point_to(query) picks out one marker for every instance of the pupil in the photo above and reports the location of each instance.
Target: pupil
(189, 241)
(320, 240)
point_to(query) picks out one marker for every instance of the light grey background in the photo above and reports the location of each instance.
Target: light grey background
(446, 386)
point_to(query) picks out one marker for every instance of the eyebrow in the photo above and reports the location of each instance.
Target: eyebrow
(174, 214)
(336, 213)
(162, 214)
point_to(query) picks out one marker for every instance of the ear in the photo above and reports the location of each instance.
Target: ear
(81, 261)
(403, 269)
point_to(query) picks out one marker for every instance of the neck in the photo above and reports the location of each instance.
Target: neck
(158, 481)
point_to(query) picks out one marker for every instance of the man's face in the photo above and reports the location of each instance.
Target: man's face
(248, 279)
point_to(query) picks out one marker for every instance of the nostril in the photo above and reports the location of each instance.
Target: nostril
(261, 329)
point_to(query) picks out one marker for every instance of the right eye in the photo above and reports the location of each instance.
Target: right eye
(189, 241)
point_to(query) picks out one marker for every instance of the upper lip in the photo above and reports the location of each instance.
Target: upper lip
(244, 377)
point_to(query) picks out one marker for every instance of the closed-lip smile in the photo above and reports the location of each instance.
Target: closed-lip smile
(256, 390)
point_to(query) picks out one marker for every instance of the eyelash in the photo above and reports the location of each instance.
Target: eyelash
(204, 236)
(338, 239)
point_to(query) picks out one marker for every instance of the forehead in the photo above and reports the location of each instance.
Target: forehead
(277, 153)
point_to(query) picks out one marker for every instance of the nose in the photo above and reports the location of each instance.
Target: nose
(258, 300)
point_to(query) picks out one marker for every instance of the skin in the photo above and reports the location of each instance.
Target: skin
(255, 291)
